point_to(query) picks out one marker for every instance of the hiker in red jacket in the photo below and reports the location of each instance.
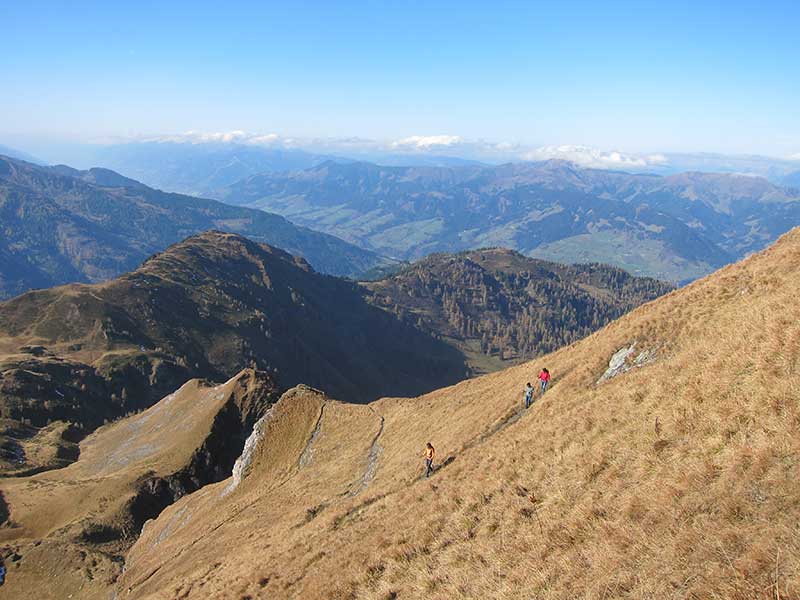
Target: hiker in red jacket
(544, 377)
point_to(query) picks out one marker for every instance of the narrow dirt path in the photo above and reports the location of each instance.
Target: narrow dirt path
(510, 419)
(514, 415)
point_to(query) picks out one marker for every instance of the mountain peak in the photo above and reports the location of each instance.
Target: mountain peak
(221, 248)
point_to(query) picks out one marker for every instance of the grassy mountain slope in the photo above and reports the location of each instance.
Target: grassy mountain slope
(675, 228)
(61, 225)
(87, 514)
(497, 305)
(673, 475)
(207, 307)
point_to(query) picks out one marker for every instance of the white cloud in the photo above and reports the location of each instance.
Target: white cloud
(415, 144)
(592, 157)
(222, 137)
(225, 137)
(425, 142)
(270, 138)
(428, 145)
(794, 156)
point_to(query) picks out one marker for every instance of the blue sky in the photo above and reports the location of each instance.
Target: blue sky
(636, 76)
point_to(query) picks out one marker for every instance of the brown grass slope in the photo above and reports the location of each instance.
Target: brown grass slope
(68, 529)
(677, 479)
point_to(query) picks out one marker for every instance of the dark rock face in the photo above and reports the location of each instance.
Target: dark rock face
(146, 462)
(4, 514)
(212, 462)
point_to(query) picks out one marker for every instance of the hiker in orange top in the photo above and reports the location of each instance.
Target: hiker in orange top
(544, 377)
(430, 452)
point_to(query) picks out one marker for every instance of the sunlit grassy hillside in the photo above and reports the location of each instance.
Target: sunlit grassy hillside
(675, 479)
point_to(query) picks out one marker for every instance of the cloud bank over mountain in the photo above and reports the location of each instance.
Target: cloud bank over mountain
(426, 142)
(492, 152)
(598, 159)
(438, 148)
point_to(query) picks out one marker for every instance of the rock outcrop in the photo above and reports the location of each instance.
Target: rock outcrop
(127, 473)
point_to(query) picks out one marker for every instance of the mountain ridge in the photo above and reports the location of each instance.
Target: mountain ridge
(65, 225)
(126, 474)
(206, 307)
(76, 356)
(674, 422)
(675, 227)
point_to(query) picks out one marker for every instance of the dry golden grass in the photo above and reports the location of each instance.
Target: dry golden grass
(675, 480)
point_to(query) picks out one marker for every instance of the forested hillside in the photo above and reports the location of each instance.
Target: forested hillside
(497, 305)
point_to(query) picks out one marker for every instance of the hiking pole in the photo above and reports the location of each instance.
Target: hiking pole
(533, 500)
(539, 520)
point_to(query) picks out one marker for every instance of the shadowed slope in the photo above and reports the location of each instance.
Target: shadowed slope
(673, 478)
(207, 307)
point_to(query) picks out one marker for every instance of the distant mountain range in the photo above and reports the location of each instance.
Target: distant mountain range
(677, 227)
(62, 225)
(18, 154)
(196, 169)
(768, 167)
(792, 180)
(196, 162)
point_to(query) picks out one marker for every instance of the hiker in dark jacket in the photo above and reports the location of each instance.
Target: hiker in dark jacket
(528, 395)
